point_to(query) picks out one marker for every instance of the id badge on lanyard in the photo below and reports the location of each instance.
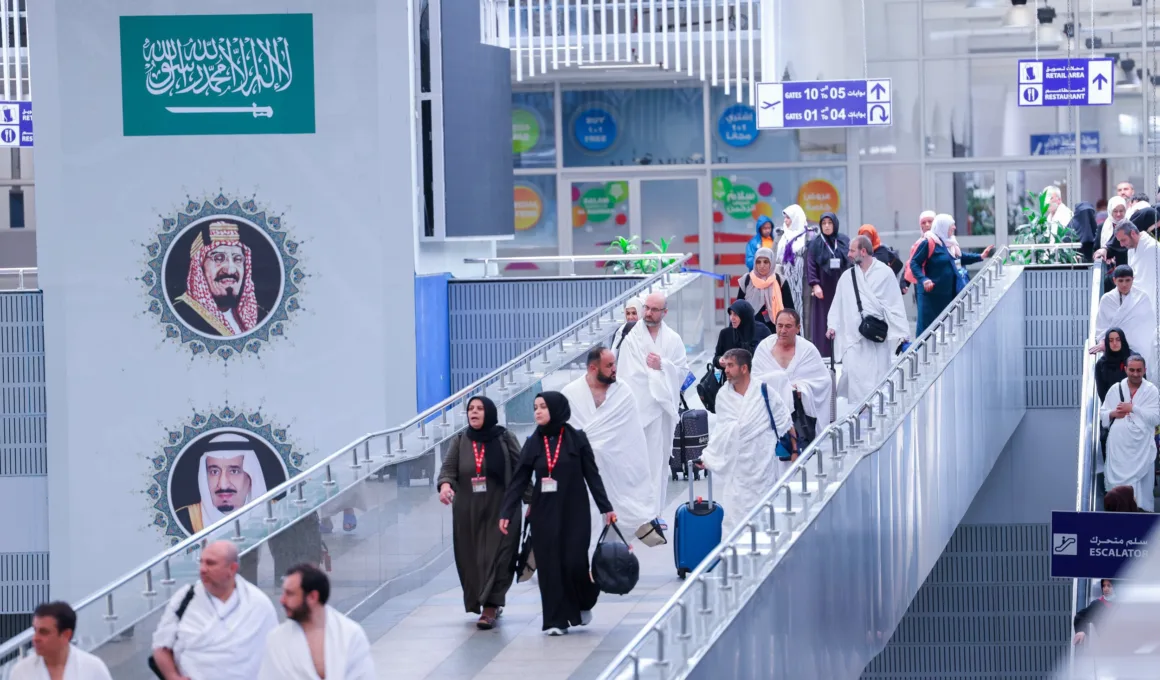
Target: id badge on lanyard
(835, 261)
(479, 481)
(547, 484)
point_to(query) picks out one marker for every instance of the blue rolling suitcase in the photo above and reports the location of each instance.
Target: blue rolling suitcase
(696, 529)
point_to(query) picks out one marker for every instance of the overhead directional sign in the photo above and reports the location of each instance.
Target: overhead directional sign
(1098, 544)
(15, 124)
(1065, 82)
(824, 103)
(1063, 143)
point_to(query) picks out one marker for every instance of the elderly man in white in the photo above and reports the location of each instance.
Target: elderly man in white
(868, 289)
(1143, 255)
(316, 641)
(53, 625)
(607, 412)
(654, 365)
(795, 366)
(1058, 214)
(751, 417)
(221, 632)
(1131, 409)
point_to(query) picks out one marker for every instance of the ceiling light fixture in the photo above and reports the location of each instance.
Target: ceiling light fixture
(1019, 16)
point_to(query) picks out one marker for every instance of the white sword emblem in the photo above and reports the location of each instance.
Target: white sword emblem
(257, 111)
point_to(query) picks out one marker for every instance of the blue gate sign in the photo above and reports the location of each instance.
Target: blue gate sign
(824, 103)
(1098, 544)
(15, 124)
(1065, 82)
(1063, 143)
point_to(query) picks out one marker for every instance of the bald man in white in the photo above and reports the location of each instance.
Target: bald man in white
(316, 642)
(221, 635)
(653, 364)
(228, 476)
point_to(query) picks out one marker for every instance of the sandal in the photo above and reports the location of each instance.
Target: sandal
(349, 521)
(486, 621)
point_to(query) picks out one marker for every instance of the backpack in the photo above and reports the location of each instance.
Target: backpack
(906, 272)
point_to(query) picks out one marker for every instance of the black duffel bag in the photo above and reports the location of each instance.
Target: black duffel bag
(614, 568)
(872, 328)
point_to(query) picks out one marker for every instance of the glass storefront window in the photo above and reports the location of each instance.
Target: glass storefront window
(533, 130)
(892, 201)
(902, 139)
(601, 211)
(972, 110)
(633, 127)
(893, 27)
(1099, 177)
(536, 231)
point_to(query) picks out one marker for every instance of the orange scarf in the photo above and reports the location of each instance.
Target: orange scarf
(871, 233)
(770, 294)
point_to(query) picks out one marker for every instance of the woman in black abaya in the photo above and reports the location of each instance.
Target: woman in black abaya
(566, 471)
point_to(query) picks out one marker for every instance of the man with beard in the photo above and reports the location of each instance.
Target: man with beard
(315, 641)
(228, 476)
(607, 413)
(655, 366)
(219, 289)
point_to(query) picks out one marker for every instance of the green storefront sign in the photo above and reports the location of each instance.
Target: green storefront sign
(221, 74)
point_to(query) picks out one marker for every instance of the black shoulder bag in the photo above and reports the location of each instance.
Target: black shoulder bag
(181, 607)
(872, 328)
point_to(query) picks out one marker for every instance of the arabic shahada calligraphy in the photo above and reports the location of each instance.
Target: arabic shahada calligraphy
(217, 66)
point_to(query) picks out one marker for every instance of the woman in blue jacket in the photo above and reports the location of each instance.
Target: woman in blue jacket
(939, 270)
(763, 239)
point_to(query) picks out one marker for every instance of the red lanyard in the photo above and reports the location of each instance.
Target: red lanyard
(478, 451)
(548, 452)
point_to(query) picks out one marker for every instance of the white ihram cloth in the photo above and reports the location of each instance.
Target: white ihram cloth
(346, 652)
(806, 373)
(1136, 315)
(218, 640)
(80, 666)
(743, 447)
(1131, 451)
(657, 394)
(614, 430)
(1143, 260)
(865, 362)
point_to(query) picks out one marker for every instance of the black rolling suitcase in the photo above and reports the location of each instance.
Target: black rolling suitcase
(689, 439)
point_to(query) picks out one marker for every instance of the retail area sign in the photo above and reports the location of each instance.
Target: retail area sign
(15, 124)
(1065, 82)
(1098, 544)
(824, 103)
(217, 74)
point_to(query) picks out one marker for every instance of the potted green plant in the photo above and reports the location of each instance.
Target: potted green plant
(1039, 230)
(628, 246)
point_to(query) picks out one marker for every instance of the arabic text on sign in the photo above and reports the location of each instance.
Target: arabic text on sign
(217, 66)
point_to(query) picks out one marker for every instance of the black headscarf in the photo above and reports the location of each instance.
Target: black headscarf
(559, 410)
(1110, 367)
(489, 434)
(1083, 223)
(745, 335)
(1125, 351)
(823, 246)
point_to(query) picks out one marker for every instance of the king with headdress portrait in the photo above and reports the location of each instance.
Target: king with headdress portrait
(219, 292)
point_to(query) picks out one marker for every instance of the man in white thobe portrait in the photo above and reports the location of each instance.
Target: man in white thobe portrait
(794, 366)
(606, 411)
(742, 448)
(653, 364)
(1131, 309)
(864, 361)
(316, 642)
(221, 635)
(1131, 409)
(1143, 255)
(53, 627)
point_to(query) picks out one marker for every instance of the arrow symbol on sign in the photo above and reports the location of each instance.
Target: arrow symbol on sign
(769, 105)
(1100, 80)
(880, 110)
(878, 90)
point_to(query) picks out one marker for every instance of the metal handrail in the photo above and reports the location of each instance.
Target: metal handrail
(419, 422)
(571, 260)
(19, 273)
(954, 316)
(1089, 429)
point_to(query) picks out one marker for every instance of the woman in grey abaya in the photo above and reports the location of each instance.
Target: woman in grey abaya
(477, 472)
(565, 470)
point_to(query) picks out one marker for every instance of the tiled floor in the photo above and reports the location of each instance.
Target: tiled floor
(426, 633)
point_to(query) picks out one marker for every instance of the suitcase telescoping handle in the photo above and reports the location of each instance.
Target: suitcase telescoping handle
(692, 496)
